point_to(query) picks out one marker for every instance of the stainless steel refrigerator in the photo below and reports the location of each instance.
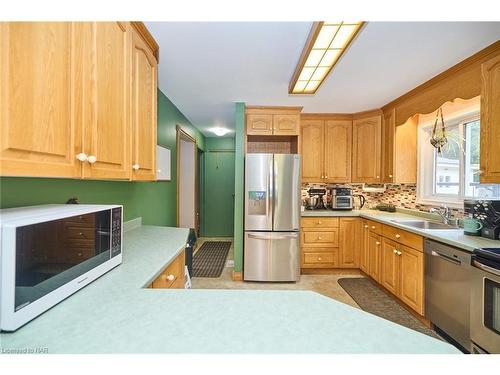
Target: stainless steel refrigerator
(272, 217)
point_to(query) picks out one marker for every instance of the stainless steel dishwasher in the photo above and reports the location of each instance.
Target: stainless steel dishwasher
(447, 290)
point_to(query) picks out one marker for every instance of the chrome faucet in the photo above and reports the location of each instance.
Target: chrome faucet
(445, 213)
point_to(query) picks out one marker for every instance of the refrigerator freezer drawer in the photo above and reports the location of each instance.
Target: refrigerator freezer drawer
(272, 256)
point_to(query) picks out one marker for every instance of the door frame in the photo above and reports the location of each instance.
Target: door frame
(183, 135)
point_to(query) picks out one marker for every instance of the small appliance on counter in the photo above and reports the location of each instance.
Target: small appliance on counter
(482, 217)
(316, 199)
(49, 252)
(361, 201)
(485, 301)
(341, 198)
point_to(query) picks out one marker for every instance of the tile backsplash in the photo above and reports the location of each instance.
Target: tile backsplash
(400, 195)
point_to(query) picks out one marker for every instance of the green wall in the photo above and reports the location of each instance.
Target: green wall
(238, 185)
(155, 202)
(218, 186)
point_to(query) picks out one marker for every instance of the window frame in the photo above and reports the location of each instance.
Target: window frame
(425, 183)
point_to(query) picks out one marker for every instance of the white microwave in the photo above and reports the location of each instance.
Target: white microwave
(49, 252)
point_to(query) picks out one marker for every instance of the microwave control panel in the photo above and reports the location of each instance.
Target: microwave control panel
(116, 232)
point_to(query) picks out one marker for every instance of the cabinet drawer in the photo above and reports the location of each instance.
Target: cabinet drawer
(172, 276)
(375, 227)
(406, 238)
(320, 257)
(319, 222)
(322, 239)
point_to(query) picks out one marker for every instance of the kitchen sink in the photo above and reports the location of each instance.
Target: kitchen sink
(425, 224)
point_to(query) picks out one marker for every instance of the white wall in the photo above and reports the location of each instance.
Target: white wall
(187, 179)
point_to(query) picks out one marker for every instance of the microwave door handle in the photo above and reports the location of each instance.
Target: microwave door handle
(445, 257)
(486, 268)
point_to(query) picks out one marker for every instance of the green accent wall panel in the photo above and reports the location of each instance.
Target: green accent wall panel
(155, 202)
(239, 174)
(218, 209)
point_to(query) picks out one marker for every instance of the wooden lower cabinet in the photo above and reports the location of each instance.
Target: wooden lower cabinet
(389, 276)
(363, 254)
(172, 277)
(349, 244)
(374, 255)
(412, 278)
(402, 273)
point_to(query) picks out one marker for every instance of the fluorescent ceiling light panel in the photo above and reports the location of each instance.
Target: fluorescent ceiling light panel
(326, 43)
(220, 132)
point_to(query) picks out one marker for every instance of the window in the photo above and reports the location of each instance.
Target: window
(452, 175)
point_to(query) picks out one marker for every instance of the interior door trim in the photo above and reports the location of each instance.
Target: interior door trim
(182, 134)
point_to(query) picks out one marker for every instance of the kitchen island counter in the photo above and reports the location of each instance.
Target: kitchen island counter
(117, 314)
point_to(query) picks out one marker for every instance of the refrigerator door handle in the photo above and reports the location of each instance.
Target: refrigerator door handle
(272, 236)
(270, 187)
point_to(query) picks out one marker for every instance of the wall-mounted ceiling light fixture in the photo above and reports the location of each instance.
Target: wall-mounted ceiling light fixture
(220, 132)
(327, 41)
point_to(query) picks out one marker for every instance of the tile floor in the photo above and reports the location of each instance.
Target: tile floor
(324, 284)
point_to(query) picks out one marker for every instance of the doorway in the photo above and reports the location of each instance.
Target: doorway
(187, 180)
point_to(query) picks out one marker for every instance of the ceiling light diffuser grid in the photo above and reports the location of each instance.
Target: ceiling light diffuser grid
(329, 44)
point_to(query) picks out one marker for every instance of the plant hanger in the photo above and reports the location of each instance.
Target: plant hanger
(438, 141)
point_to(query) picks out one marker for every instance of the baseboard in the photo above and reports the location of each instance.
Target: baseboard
(237, 276)
(330, 271)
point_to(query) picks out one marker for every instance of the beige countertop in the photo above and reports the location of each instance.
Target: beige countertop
(454, 237)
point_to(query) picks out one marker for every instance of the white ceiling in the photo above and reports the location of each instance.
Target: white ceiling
(206, 67)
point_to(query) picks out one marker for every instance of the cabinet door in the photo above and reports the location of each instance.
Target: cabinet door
(107, 133)
(338, 140)
(312, 150)
(388, 136)
(363, 257)
(389, 273)
(366, 137)
(349, 242)
(286, 124)
(490, 121)
(412, 278)
(374, 255)
(259, 124)
(143, 111)
(40, 99)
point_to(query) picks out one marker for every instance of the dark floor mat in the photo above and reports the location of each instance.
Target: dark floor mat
(375, 301)
(210, 259)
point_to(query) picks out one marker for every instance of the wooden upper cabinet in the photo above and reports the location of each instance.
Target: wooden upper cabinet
(285, 124)
(366, 149)
(349, 242)
(39, 99)
(312, 138)
(399, 149)
(259, 124)
(490, 121)
(388, 135)
(144, 76)
(107, 132)
(338, 140)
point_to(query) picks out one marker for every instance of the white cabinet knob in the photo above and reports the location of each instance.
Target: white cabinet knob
(326, 176)
(319, 238)
(397, 236)
(322, 176)
(366, 226)
(135, 167)
(378, 176)
(481, 171)
(319, 258)
(92, 159)
(158, 170)
(373, 226)
(395, 251)
(170, 277)
(82, 156)
(399, 252)
(377, 243)
(320, 222)
(390, 176)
